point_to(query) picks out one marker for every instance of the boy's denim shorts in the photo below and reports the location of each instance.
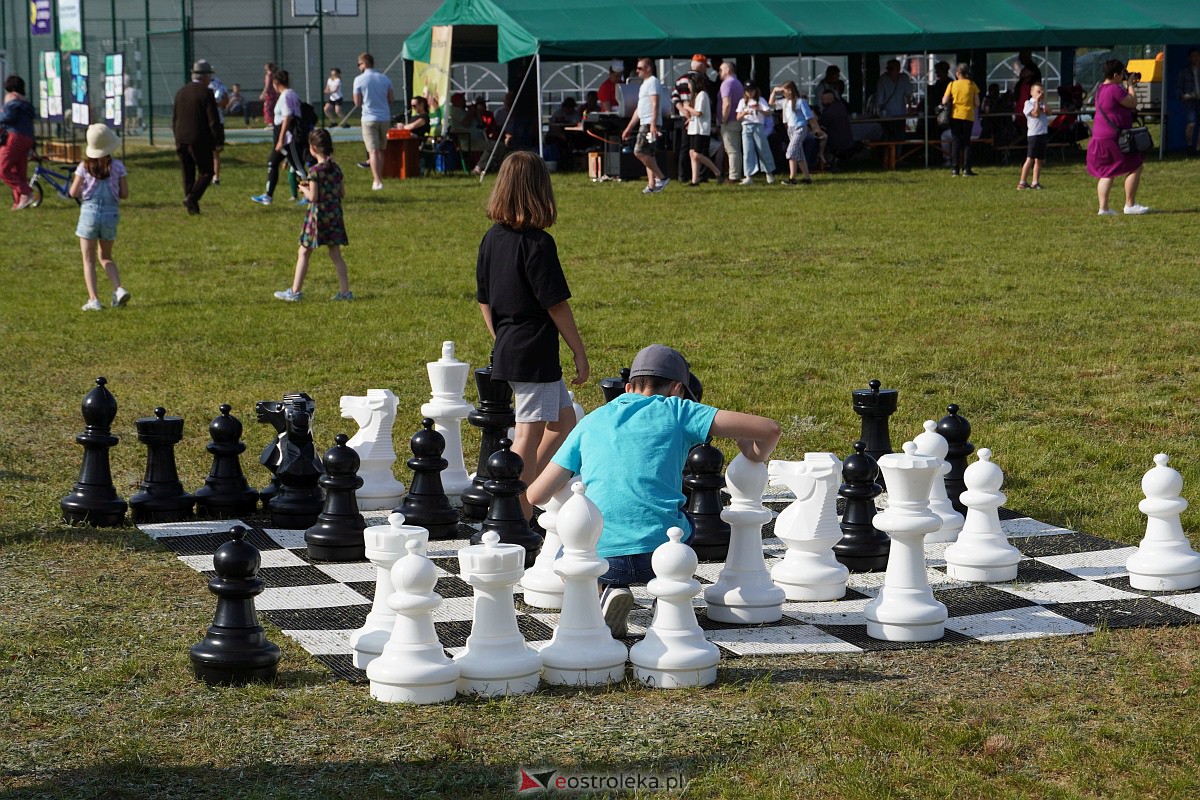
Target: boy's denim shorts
(630, 570)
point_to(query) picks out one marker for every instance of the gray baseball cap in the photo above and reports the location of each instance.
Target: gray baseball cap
(666, 362)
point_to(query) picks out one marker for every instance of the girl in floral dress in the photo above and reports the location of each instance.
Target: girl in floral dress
(323, 223)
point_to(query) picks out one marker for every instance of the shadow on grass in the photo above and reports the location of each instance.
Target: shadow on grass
(735, 675)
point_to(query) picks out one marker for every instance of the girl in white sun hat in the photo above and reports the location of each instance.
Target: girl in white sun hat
(100, 183)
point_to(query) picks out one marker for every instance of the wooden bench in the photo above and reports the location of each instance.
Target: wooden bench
(897, 152)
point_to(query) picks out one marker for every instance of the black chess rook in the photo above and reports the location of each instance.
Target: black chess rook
(160, 497)
(704, 482)
(863, 547)
(505, 516)
(957, 432)
(875, 406)
(93, 499)
(426, 504)
(226, 494)
(337, 534)
(493, 417)
(235, 650)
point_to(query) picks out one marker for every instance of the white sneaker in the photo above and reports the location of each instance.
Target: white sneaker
(1106, 212)
(289, 296)
(375, 187)
(747, 181)
(770, 178)
(615, 604)
(93, 305)
(1136, 209)
(120, 297)
(660, 185)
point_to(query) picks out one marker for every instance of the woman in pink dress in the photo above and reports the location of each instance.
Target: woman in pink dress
(1115, 101)
(269, 96)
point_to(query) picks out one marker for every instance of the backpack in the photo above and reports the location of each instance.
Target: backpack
(308, 118)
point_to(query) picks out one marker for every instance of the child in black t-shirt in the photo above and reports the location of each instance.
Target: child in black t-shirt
(523, 294)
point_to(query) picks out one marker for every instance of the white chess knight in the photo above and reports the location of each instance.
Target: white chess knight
(413, 667)
(809, 528)
(905, 609)
(447, 408)
(674, 654)
(496, 660)
(1164, 560)
(582, 651)
(744, 592)
(932, 443)
(374, 414)
(982, 553)
(385, 544)
(542, 586)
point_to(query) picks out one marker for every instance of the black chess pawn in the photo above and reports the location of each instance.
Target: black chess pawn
(235, 650)
(493, 417)
(863, 547)
(299, 500)
(504, 514)
(613, 388)
(875, 406)
(426, 504)
(93, 498)
(337, 534)
(271, 412)
(226, 494)
(957, 432)
(703, 478)
(160, 497)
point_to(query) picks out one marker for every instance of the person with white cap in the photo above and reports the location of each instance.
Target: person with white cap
(630, 453)
(100, 185)
(609, 93)
(199, 131)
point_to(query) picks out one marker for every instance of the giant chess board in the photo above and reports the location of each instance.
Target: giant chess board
(1067, 583)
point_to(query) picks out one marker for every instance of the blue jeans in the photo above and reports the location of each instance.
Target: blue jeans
(756, 153)
(632, 569)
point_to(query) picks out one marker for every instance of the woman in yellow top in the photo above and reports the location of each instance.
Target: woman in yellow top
(965, 95)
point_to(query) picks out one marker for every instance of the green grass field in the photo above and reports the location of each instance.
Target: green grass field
(1069, 341)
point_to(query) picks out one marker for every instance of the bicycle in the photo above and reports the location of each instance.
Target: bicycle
(61, 181)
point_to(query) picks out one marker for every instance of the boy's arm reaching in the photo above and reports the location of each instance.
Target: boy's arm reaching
(756, 436)
(549, 483)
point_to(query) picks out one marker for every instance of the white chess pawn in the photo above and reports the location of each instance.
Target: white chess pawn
(674, 653)
(448, 379)
(579, 412)
(809, 528)
(982, 553)
(582, 651)
(932, 443)
(385, 544)
(542, 586)
(744, 592)
(496, 660)
(905, 609)
(1164, 560)
(375, 415)
(413, 667)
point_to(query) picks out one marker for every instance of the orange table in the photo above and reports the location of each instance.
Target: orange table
(401, 155)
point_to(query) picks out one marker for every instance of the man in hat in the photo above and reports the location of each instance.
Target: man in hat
(630, 453)
(198, 132)
(609, 92)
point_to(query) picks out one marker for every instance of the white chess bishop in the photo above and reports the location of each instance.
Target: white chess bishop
(385, 544)
(375, 415)
(542, 586)
(413, 667)
(982, 553)
(809, 528)
(932, 443)
(744, 592)
(905, 609)
(496, 661)
(447, 408)
(583, 651)
(1165, 560)
(674, 654)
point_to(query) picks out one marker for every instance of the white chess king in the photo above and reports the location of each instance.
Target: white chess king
(448, 379)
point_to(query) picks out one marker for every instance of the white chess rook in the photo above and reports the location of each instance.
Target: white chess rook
(744, 592)
(982, 553)
(809, 528)
(542, 586)
(447, 408)
(413, 667)
(582, 651)
(932, 443)
(385, 544)
(374, 414)
(674, 654)
(1165, 560)
(905, 609)
(496, 661)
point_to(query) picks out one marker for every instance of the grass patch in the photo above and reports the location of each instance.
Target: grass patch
(1069, 341)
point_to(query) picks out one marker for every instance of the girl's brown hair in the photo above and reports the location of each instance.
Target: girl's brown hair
(523, 196)
(99, 168)
(322, 141)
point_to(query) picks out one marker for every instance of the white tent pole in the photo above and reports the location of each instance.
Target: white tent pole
(925, 108)
(537, 61)
(504, 127)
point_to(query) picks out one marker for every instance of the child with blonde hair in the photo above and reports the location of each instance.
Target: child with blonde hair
(100, 185)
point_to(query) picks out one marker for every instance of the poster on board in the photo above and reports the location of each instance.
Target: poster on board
(81, 112)
(50, 90)
(114, 89)
(70, 25)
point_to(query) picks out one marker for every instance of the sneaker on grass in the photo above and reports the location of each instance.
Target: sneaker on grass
(615, 603)
(343, 296)
(289, 296)
(120, 297)
(93, 305)
(262, 199)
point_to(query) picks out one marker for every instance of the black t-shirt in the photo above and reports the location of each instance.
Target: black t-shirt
(519, 276)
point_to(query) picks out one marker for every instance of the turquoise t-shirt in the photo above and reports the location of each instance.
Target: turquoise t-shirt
(630, 453)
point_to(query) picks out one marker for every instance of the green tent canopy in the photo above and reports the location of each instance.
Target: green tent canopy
(600, 29)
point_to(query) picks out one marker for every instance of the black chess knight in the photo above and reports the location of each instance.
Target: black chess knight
(299, 500)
